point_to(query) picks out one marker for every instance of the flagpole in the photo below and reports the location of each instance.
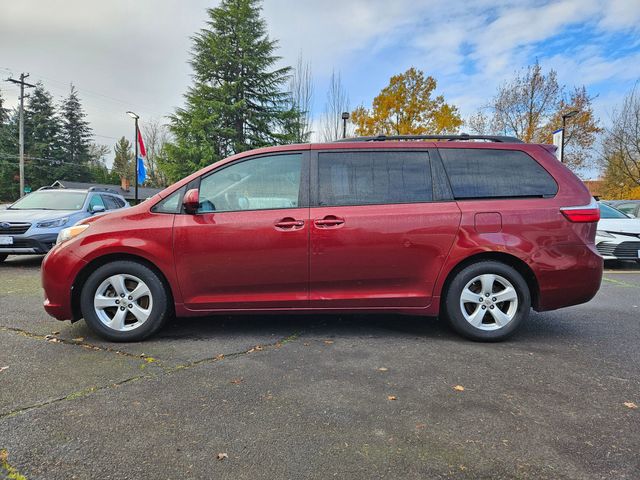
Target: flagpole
(136, 160)
(135, 141)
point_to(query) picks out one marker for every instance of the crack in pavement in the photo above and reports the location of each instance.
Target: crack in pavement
(167, 370)
(88, 346)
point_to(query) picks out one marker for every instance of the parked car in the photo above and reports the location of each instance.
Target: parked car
(477, 231)
(630, 207)
(618, 235)
(31, 225)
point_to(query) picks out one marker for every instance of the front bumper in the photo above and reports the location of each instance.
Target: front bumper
(614, 249)
(59, 270)
(29, 245)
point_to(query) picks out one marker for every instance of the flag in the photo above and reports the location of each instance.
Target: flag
(142, 155)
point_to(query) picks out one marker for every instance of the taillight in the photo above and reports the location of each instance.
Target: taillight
(583, 214)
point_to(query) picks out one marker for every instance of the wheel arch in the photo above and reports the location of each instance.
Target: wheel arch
(516, 263)
(90, 267)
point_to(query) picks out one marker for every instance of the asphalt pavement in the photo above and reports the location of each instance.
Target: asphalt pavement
(353, 397)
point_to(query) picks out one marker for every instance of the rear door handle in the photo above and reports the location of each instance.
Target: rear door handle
(329, 221)
(289, 224)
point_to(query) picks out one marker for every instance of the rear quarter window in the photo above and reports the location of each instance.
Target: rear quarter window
(486, 173)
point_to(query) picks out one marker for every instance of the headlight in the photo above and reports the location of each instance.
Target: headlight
(58, 222)
(69, 233)
(602, 233)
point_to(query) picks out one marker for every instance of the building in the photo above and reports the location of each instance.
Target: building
(595, 187)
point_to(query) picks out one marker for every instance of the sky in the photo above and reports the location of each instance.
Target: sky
(125, 55)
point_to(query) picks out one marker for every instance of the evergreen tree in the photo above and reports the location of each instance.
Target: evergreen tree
(42, 139)
(76, 132)
(9, 185)
(237, 101)
(123, 164)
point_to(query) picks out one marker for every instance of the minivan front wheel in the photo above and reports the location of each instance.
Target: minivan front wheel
(124, 301)
(487, 301)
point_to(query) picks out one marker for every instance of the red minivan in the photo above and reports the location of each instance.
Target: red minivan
(476, 231)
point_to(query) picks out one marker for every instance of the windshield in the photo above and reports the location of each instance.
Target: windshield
(609, 212)
(51, 200)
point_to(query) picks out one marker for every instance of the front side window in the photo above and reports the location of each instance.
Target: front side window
(96, 201)
(264, 183)
(373, 178)
(487, 173)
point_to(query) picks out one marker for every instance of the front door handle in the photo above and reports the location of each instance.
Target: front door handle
(330, 221)
(289, 224)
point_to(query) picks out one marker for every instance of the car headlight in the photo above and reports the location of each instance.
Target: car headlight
(58, 222)
(69, 233)
(602, 233)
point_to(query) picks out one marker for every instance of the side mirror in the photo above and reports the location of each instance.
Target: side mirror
(191, 201)
(97, 209)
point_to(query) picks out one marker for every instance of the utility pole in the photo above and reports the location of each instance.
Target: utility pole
(22, 84)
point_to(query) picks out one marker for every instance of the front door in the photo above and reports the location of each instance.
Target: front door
(378, 238)
(248, 245)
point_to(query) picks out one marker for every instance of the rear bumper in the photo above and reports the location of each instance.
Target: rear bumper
(59, 271)
(567, 275)
(35, 244)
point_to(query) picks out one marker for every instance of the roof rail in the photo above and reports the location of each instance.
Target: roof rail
(101, 189)
(450, 138)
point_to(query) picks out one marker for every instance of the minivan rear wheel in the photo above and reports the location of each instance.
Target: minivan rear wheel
(124, 301)
(487, 301)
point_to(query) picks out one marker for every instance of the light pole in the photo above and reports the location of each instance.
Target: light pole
(135, 141)
(572, 113)
(345, 117)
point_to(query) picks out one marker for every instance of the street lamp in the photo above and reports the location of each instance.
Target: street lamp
(572, 113)
(345, 117)
(135, 141)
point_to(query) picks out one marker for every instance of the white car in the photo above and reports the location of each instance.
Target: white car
(618, 235)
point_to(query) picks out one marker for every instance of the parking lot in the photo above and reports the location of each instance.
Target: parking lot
(320, 397)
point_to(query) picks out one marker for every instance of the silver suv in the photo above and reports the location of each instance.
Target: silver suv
(31, 225)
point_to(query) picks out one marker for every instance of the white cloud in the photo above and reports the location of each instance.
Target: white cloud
(124, 54)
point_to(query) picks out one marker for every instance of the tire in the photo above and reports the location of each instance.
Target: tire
(3, 257)
(135, 316)
(478, 316)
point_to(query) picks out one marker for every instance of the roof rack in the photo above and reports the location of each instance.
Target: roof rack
(450, 138)
(50, 187)
(101, 189)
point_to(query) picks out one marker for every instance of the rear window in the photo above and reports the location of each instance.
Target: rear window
(486, 173)
(370, 178)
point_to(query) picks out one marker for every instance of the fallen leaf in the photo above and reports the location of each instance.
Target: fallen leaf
(258, 348)
(420, 426)
(55, 333)
(220, 356)
(328, 342)
(626, 404)
(392, 397)
(78, 339)
(2, 369)
(383, 369)
(4, 455)
(306, 344)
(222, 456)
(459, 388)
(237, 381)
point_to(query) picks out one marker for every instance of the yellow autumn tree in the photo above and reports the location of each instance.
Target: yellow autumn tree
(406, 107)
